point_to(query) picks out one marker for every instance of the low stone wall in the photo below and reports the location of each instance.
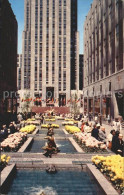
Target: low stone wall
(65, 131)
(36, 131)
(105, 185)
(6, 176)
(26, 145)
(77, 147)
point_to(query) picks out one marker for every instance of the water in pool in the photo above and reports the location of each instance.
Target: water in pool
(65, 146)
(64, 182)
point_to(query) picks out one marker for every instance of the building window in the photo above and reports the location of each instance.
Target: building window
(117, 31)
(64, 86)
(59, 86)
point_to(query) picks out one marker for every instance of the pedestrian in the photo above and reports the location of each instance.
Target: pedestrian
(109, 119)
(90, 117)
(100, 118)
(109, 138)
(4, 132)
(19, 117)
(79, 124)
(116, 125)
(96, 119)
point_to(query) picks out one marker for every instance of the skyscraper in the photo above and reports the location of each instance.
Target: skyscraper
(50, 58)
(104, 58)
(19, 65)
(8, 62)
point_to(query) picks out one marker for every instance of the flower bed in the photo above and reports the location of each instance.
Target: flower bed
(50, 119)
(4, 161)
(112, 167)
(47, 126)
(68, 123)
(33, 122)
(31, 119)
(75, 122)
(55, 126)
(60, 118)
(69, 119)
(13, 142)
(28, 129)
(89, 143)
(71, 129)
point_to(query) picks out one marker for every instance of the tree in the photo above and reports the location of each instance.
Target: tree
(74, 105)
(26, 108)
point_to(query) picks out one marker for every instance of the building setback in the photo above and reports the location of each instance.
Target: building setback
(104, 58)
(81, 64)
(19, 66)
(50, 53)
(8, 61)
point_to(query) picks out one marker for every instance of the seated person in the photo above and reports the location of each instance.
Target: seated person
(4, 132)
(118, 145)
(95, 131)
(102, 135)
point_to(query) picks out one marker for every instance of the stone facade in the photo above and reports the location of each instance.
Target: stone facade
(104, 58)
(19, 65)
(81, 64)
(8, 61)
(50, 50)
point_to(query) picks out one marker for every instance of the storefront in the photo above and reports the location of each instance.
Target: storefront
(85, 105)
(97, 105)
(120, 102)
(91, 105)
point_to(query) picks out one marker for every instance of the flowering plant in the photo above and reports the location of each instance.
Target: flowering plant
(4, 161)
(89, 143)
(72, 129)
(13, 142)
(28, 129)
(47, 125)
(68, 123)
(69, 119)
(113, 167)
(50, 119)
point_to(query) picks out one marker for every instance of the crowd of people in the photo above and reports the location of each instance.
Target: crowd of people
(86, 123)
(12, 128)
(114, 140)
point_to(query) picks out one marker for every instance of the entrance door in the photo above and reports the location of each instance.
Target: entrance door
(50, 96)
(120, 103)
(62, 99)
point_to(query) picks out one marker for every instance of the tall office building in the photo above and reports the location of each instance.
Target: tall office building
(19, 66)
(8, 62)
(81, 64)
(104, 58)
(50, 54)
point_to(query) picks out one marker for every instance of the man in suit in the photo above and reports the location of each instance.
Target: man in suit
(118, 145)
(95, 131)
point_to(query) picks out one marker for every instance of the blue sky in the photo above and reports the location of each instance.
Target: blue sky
(18, 9)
